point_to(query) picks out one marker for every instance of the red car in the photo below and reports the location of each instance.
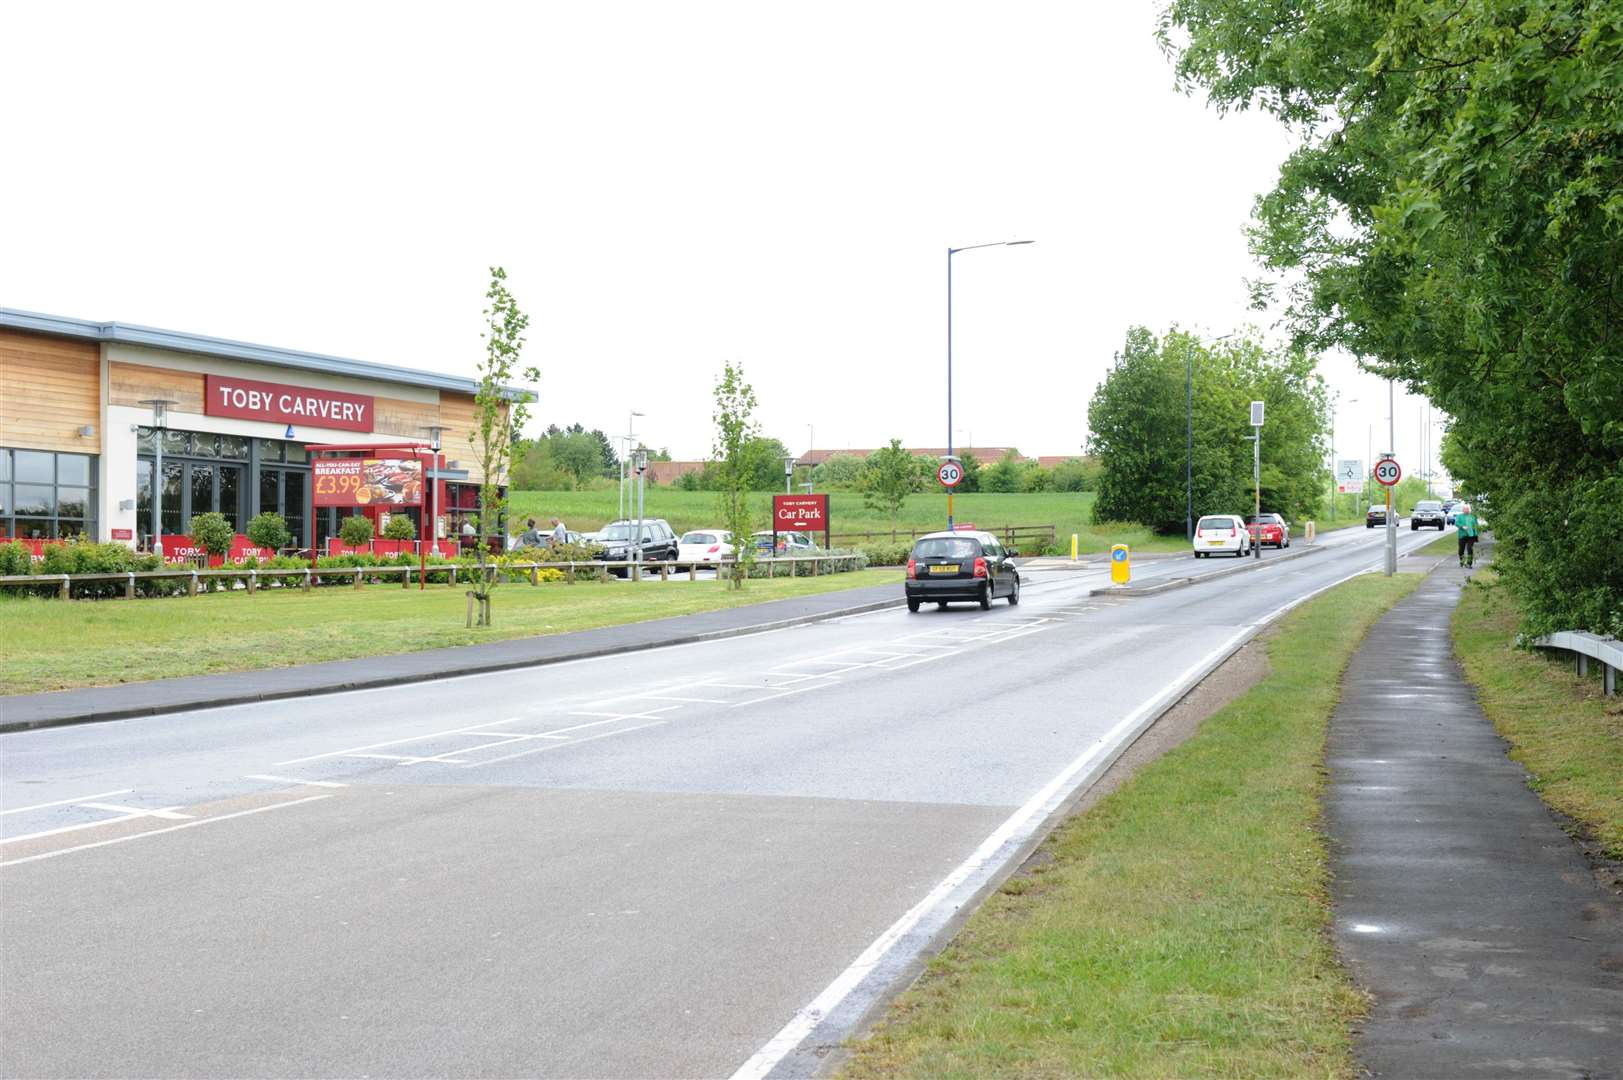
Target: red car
(1269, 530)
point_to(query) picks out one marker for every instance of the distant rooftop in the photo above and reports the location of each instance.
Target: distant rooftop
(177, 341)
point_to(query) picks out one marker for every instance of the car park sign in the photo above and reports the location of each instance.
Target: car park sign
(951, 474)
(800, 513)
(1387, 472)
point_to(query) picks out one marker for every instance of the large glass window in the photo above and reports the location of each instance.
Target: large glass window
(44, 495)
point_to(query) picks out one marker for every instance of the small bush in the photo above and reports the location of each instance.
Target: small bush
(400, 527)
(16, 558)
(356, 530)
(269, 530)
(212, 532)
(887, 554)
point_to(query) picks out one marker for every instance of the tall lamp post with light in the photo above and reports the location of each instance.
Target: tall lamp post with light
(160, 419)
(430, 502)
(625, 464)
(950, 253)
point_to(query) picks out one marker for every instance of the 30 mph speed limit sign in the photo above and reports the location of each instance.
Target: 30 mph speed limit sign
(1387, 472)
(951, 474)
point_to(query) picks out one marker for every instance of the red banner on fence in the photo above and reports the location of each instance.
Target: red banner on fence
(367, 482)
(800, 513)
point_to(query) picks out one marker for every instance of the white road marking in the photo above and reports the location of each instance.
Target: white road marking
(292, 780)
(565, 745)
(136, 811)
(67, 802)
(395, 742)
(167, 829)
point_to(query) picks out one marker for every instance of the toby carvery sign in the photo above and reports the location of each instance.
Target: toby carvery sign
(800, 513)
(278, 403)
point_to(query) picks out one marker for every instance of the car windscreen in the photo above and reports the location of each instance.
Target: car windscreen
(618, 532)
(946, 547)
(699, 538)
(1216, 523)
(1428, 506)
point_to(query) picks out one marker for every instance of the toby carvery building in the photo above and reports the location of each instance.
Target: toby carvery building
(81, 438)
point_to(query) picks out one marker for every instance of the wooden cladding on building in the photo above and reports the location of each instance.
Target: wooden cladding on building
(50, 388)
(131, 384)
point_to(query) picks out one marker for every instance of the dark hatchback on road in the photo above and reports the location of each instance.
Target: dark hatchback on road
(949, 566)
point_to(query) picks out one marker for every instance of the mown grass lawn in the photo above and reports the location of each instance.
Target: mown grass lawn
(56, 644)
(1561, 727)
(1179, 927)
(1068, 512)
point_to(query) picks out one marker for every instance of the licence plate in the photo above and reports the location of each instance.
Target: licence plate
(1217, 543)
(944, 568)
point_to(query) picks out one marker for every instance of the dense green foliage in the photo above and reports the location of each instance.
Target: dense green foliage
(355, 530)
(400, 527)
(212, 532)
(269, 530)
(1454, 217)
(889, 475)
(1139, 418)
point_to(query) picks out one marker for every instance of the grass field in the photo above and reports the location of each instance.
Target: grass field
(1069, 513)
(1568, 735)
(54, 645)
(1179, 927)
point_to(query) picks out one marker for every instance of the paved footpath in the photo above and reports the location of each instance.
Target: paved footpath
(1473, 920)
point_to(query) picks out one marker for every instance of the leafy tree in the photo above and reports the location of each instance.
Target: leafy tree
(1075, 474)
(212, 532)
(732, 461)
(1037, 478)
(498, 413)
(766, 463)
(1004, 477)
(578, 454)
(400, 527)
(269, 530)
(888, 477)
(356, 530)
(972, 473)
(1452, 217)
(838, 472)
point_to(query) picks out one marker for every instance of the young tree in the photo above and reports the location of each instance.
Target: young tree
(499, 411)
(269, 530)
(732, 463)
(888, 477)
(838, 472)
(400, 527)
(356, 530)
(1007, 476)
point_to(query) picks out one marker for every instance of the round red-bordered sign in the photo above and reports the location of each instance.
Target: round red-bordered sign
(1388, 472)
(951, 474)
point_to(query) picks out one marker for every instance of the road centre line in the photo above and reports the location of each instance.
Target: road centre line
(1017, 828)
(292, 780)
(66, 802)
(166, 829)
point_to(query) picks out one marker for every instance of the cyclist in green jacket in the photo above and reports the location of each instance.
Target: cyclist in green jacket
(1465, 525)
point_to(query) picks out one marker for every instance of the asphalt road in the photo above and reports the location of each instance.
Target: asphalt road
(703, 860)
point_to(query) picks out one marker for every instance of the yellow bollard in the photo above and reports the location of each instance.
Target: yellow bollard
(1073, 547)
(1121, 568)
(1310, 532)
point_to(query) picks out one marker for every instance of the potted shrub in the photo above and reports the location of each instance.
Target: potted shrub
(356, 531)
(269, 530)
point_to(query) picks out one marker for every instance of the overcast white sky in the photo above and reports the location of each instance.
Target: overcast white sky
(668, 185)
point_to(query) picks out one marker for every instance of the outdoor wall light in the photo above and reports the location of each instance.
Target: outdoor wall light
(289, 433)
(126, 504)
(87, 431)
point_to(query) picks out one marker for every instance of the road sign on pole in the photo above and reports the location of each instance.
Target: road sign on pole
(1256, 413)
(950, 473)
(1388, 472)
(1349, 476)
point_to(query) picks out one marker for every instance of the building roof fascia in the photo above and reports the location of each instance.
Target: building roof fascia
(175, 341)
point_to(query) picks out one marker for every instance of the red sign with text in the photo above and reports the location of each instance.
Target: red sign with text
(367, 482)
(279, 403)
(123, 534)
(800, 513)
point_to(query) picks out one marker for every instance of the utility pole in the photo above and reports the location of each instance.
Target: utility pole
(1391, 509)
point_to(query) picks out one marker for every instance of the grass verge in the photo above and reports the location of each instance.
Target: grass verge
(1179, 927)
(56, 645)
(1446, 544)
(1561, 727)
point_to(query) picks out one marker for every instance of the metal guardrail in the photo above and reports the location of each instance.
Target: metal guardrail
(308, 578)
(1606, 651)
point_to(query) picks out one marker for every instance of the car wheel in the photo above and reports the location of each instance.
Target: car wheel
(986, 597)
(941, 605)
(1014, 594)
(1287, 542)
(912, 605)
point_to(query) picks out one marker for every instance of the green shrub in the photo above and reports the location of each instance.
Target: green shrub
(882, 553)
(400, 527)
(269, 530)
(16, 558)
(212, 532)
(356, 530)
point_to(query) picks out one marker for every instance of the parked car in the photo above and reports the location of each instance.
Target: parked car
(1221, 533)
(1269, 529)
(704, 547)
(619, 540)
(1376, 515)
(1427, 512)
(947, 566)
(789, 543)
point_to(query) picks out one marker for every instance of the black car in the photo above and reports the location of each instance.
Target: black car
(659, 543)
(1428, 513)
(1376, 516)
(949, 566)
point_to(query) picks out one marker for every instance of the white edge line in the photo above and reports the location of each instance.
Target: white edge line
(155, 832)
(67, 802)
(1018, 826)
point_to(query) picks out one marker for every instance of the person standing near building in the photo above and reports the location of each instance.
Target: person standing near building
(1465, 524)
(531, 537)
(560, 535)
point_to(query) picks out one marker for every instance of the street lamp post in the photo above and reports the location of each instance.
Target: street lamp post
(625, 462)
(160, 413)
(431, 501)
(641, 462)
(950, 253)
